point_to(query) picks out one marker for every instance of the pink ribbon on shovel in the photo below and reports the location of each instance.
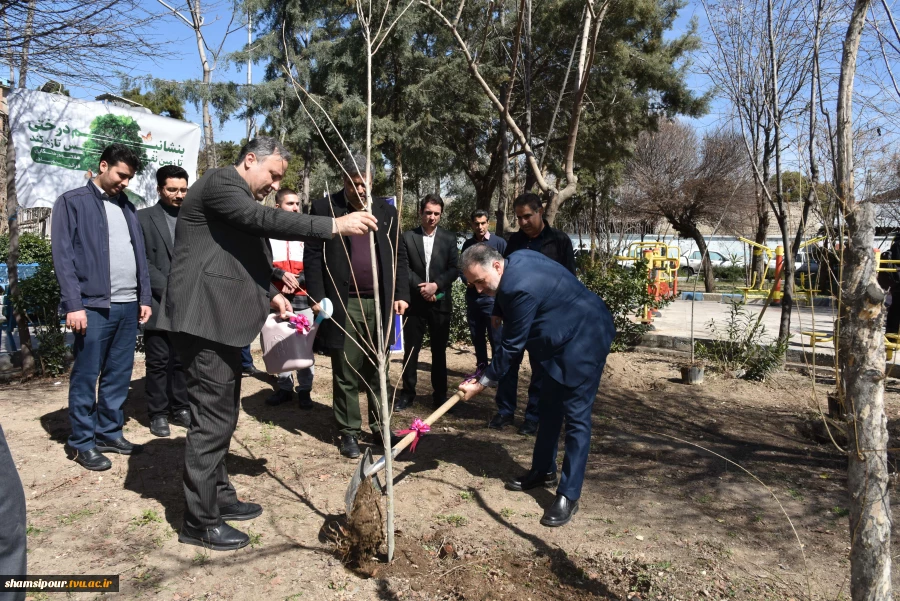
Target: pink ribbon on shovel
(420, 428)
(301, 323)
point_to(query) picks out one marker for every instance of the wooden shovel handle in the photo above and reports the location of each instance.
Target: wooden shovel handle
(438, 413)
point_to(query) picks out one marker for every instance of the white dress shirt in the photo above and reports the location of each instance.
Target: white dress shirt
(428, 243)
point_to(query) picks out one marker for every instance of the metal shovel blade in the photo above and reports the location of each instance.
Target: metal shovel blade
(359, 474)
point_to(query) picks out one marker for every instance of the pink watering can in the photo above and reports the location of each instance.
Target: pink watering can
(287, 345)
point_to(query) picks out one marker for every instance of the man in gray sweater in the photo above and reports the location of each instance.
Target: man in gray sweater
(101, 267)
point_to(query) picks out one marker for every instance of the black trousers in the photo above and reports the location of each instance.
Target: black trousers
(214, 390)
(166, 387)
(438, 325)
(12, 523)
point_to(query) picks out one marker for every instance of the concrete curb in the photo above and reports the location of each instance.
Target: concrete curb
(721, 297)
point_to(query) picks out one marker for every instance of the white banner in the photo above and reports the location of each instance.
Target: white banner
(58, 142)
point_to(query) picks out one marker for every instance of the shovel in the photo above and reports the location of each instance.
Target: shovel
(368, 468)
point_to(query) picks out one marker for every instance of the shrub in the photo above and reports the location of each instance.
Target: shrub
(38, 299)
(459, 325)
(32, 249)
(738, 346)
(624, 289)
(735, 273)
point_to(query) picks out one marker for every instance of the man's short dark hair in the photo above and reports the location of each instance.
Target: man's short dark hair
(282, 192)
(263, 147)
(119, 153)
(530, 200)
(479, 254)
(431, 199)
(167, 172)
(354, 165)
(478, 214)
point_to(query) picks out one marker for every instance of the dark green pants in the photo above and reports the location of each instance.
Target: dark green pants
(346, 363)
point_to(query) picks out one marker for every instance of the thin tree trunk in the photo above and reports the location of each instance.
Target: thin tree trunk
(12, 260)
(503, 188)
(861, 357)
(212, 160)
(398, 175)
(26, 43)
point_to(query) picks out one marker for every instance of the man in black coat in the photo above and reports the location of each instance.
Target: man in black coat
(341, 270)
(218, 296)
(164, 384)
(431, 253)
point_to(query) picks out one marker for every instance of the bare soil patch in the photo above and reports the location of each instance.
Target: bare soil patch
(665, 513)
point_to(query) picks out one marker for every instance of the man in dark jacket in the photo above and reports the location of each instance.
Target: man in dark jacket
(341, 270)
(164, 384)
(568, 331)
(217, 298)
(101, 267)
(537, 235)
(431, 253)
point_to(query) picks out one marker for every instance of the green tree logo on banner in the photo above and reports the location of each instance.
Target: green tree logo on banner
(112, 129)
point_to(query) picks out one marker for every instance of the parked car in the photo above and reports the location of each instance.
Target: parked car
(692, 261)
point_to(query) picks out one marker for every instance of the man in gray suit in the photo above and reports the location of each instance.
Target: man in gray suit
(218, 296)
(165, 386)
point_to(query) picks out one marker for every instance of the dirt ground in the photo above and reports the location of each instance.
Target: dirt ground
(664, 514)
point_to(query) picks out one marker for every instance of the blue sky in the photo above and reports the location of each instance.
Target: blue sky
(185, 63)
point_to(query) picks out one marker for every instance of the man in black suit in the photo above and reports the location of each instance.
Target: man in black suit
(341, 270)
(431, 252)
(217, 299)
(164, 384)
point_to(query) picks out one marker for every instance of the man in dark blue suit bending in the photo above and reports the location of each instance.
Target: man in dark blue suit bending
(565, 328)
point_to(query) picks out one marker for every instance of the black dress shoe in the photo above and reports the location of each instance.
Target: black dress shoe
(92, 459)
(499, 421)
(253, 371)
(532, 480)
(528, 428)
(560, 512)
(305, 399)
(159, 426)
(349, 446)
(120, 446)
(403, 402)
(279, 397)
(220, 538)
(182, 418)
(240, 511)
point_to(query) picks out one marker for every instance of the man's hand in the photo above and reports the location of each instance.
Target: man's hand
(355, 224)
(290, 282)
(316, 308)
(77, 320)
(146, 312)
(496, 321)
(281, 305)
(470, 388)
(400, 307)
(428, 289)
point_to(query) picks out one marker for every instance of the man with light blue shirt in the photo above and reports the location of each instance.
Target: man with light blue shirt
(101, 267)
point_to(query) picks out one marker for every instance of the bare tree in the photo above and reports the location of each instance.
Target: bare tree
(209, 58)
(669, 178)
(595, 12)
(76, 41)
(861, 355)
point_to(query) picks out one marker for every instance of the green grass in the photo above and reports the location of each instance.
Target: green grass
(795, 494)
(148, 516)
(32, 531)
(255, 539)
(507, 512)
(840, 512)
(454, 520)
(71, 518)
(466, 495)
